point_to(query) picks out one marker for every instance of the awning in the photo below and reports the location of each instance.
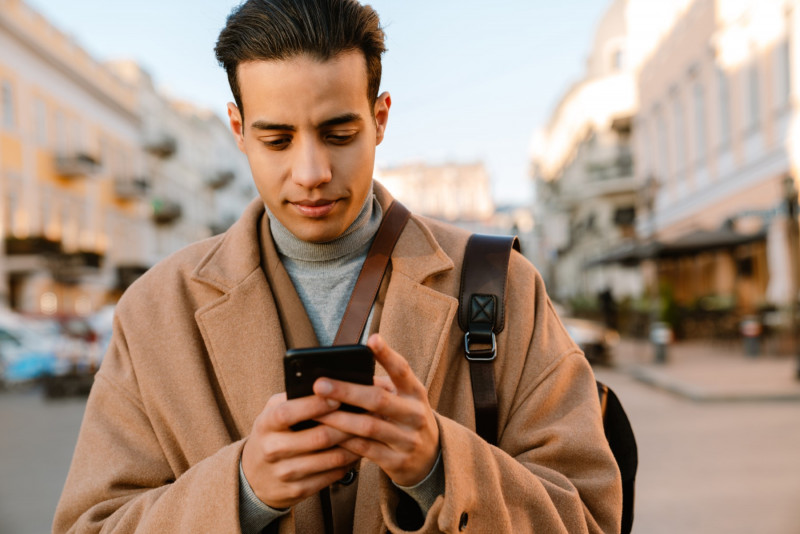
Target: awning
(632, 253)
(706, 240)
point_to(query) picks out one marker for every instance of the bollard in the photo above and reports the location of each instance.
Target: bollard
(750, 328)
(660, 336)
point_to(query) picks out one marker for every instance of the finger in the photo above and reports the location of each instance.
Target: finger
(371, 428)
(278, 446)
(396, 366)
(293, 492)
(376, 400)
(386, 383)
(280, 415)
(312, 465)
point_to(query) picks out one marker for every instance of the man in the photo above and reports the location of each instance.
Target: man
(187, 427)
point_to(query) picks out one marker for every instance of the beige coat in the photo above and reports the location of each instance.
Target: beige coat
(196, 354)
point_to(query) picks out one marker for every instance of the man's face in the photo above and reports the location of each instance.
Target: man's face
(310, 138)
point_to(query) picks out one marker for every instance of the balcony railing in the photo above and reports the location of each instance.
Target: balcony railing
(222, 225)
(131, 188)
(166, 211)
(161, 146)
(76, 165)
(128, 274)
(220, 179)
(31, 246)
(70, 267)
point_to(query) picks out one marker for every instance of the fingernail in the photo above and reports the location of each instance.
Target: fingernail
(332, 403)
(324, 387)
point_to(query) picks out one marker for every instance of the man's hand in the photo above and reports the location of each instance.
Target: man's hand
(399, 433)
(284, 467)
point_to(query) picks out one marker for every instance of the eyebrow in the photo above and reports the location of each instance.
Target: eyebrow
(333, 121)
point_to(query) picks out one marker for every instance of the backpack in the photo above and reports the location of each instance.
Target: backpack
(481, 309)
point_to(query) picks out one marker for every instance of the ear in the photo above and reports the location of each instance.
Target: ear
(382, 105)
(235, 118)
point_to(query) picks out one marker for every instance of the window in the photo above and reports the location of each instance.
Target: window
(40, 114)
(783, 74)
(9, 119)
(617, 60)
(724, 107)
(753, 95)
(61, 132)
(699, 120)
(663, 154)
(625, 216)
(680, 132)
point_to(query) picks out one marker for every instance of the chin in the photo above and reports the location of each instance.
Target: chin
(318, 235)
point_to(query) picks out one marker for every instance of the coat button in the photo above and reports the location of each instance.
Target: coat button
(349, 478)
(462, 523)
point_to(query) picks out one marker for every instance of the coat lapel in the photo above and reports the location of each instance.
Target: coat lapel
(241, 328)
(415, 318)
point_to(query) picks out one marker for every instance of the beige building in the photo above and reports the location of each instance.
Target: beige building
(582, 160)
(450, 192)
(100, 175)
(69, 137)
(716, 150)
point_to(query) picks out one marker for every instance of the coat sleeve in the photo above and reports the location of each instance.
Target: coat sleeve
(552, 470)
(121, 480)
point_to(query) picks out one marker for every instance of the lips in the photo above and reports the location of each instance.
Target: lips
(314, 208)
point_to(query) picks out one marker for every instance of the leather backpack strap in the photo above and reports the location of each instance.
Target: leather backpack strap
(481, 314)
(372, 272)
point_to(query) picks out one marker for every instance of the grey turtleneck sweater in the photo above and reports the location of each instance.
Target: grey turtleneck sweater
(324, 275)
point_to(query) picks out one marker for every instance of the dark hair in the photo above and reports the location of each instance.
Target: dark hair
(281, 29)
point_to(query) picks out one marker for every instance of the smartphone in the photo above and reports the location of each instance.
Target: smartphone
(349, 363)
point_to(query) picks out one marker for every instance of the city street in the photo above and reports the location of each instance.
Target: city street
(716, 467)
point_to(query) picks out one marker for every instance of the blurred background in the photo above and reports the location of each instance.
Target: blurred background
(645, 151)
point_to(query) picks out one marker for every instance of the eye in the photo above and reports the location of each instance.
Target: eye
(341, 138)
(276, 143)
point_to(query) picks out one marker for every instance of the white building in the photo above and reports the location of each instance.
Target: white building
(450, 192)
(717, 142)
(101, 175)
(69, 136)
(586, 194)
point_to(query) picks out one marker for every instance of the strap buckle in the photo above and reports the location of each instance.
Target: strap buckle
(480, 355)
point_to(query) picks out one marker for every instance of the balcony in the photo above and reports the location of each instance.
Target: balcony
(131, 188)
(76, 165)
(222, 225)
(161, 146)
(70, 267)
(128, 274)
(220, 179)
(31, 246)
(166, 211)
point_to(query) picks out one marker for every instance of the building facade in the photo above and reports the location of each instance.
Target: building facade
(100, 175)
(716, 150)
(452, 192)
(582, 161)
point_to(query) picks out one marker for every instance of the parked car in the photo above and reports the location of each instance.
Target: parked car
(597, 341)
(78, 357)
(27, 349)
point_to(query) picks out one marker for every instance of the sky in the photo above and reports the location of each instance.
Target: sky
(471, 80)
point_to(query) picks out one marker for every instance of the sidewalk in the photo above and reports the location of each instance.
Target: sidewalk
(704, 371)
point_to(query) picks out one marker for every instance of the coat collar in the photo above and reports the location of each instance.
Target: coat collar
(417, 254)
(242, 329)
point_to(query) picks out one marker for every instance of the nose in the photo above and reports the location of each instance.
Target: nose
(311, 166)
